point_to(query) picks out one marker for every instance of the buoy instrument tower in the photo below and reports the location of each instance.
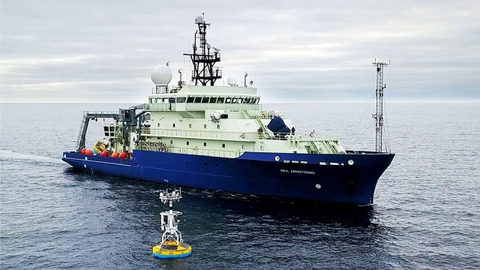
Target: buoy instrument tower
(171, 245)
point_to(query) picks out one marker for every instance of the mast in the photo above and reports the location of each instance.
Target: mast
(379, 105)
(202, 58)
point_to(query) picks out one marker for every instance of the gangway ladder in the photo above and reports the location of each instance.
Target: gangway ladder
(265, 133)
(313, 147)
(329, 147)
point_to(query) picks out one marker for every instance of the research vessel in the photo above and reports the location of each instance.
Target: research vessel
(218, 137)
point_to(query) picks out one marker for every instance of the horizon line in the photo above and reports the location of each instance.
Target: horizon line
(278, 101)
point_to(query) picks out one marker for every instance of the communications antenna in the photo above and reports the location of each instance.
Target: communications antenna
(378, 115)
(204, 57)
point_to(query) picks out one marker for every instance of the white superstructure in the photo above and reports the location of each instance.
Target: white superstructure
(204, 119)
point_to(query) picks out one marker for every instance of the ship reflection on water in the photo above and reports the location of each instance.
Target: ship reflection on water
(285, 209)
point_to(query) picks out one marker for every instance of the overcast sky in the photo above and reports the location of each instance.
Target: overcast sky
(104, 51)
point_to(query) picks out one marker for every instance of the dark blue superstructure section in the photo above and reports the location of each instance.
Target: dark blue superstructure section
(345, 178)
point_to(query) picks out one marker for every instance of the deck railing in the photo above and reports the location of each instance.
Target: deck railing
(202, 134)
(161, 147)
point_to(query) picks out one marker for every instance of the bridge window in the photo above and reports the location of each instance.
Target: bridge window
(234, 100)
(228, 100)
(198, 99)
(205, 99)
(213, 100)
(181, 100)
(220, 100)
(190, 100)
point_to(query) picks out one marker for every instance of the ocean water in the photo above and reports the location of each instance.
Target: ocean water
(426, 212)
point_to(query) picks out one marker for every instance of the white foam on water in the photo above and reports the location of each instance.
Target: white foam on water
(16, 156)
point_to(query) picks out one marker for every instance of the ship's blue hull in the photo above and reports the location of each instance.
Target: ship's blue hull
(344, 178)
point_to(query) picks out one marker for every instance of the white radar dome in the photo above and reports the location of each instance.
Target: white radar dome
(232, 81)
(199, 19)
(161, 75)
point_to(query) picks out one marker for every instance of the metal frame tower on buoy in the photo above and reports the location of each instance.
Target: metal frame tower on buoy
(378, 115)
(168, 222)
(172, 245)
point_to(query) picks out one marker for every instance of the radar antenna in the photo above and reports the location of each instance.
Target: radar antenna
(378, 115)
(204, 60)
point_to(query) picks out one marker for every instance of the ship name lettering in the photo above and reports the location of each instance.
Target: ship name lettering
(302, 172)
